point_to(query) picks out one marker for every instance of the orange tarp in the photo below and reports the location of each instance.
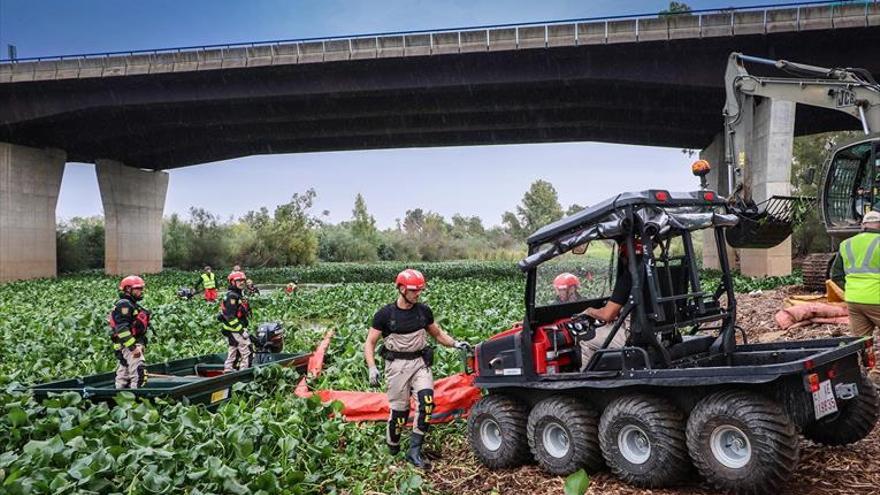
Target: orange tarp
(453, 396)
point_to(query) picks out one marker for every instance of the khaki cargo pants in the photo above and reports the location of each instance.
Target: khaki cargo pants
(130, 370)
(408, 378)
(863, 320)
(589, 348)
(239, 351)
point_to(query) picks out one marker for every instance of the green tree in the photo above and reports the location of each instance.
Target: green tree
(363, 229)
(287, 237)
(363, 224)
(676, 8)
(291, 236)
(176, 238)
(463, 226)
(413, 221)
(208, 243)
(540, 206)
(80, 244)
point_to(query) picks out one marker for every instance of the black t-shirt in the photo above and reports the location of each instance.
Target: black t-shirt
(622, 284)
(391, 319)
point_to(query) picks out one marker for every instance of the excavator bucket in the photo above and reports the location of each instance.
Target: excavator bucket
(766, 224)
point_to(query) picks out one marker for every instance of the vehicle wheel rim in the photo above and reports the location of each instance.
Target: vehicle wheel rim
(556, 440)
(634, 444)
(730, 446)
(490, 434)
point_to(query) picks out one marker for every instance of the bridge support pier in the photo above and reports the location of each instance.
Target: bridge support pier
(769, 147)
(30, 180)
(772, 142)
(133, 202)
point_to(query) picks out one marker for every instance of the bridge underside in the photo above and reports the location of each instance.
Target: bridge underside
(659, 93)
(649, 93)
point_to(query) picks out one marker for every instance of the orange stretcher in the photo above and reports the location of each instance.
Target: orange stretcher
(453, 396)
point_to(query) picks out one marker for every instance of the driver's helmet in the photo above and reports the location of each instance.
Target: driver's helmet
(565, 281)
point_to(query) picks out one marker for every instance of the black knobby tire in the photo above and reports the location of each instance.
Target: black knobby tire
(497, 431)
(755, 442)
(643, 440)
(564, 436)
(816, 269)
(853, 422)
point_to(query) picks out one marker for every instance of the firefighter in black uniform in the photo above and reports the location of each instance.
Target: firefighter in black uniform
(234, 314)
(129, 323)
(404, 326)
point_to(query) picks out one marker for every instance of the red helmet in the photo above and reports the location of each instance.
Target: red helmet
(411, 279)
(566, 280)
(236, 276)
(131, 282)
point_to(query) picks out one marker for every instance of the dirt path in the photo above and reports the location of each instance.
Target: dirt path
(822, 470)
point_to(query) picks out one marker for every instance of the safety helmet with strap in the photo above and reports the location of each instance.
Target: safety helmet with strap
(411, 279)
(131, 282)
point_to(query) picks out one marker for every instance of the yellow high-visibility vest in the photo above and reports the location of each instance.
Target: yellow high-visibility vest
(861, 262)
(208, 280)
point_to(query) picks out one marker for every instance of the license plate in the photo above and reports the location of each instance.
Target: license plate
(219, 395)
(823, 400)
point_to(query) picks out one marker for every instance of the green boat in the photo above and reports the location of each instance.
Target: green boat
(196, 380)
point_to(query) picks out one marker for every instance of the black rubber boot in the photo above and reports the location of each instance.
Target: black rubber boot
(414, 454)
(393, 449)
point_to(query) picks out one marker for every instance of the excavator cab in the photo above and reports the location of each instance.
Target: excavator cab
(851, 186)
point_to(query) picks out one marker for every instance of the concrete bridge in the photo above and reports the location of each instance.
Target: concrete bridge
(651, 80)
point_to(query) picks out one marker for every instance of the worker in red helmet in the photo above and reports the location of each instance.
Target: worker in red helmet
(404, 326)
(129, 323)
(566, 286)
(234, 314)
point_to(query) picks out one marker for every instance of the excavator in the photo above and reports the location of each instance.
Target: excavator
(851, 183)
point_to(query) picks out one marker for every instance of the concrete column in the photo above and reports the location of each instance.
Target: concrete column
(770, 155)
(30, 180)
(718, 180)
(133, 203)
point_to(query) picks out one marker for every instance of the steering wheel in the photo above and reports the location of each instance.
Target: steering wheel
(583, 327)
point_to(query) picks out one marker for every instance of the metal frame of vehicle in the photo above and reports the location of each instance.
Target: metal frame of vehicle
(735, 410)
(724, 363)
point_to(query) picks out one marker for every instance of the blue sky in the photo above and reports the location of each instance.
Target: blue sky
(480, 180)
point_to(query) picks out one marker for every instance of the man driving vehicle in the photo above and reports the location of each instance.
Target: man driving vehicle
(611, 310)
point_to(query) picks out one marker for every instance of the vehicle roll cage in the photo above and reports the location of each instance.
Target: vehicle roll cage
(657, 306)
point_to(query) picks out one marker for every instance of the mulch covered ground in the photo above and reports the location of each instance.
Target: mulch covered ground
(854, 469)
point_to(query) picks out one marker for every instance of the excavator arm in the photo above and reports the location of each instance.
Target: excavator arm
(852, 91)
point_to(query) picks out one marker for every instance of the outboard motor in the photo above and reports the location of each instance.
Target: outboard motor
(267, 339)
(186, 293)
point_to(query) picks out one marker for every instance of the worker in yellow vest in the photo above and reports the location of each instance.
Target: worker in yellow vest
(207, 281)
(861, 262)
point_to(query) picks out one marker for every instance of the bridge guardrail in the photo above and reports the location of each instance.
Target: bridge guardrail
(765, 19)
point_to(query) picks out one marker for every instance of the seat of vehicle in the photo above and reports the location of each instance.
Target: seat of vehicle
(690, 345)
